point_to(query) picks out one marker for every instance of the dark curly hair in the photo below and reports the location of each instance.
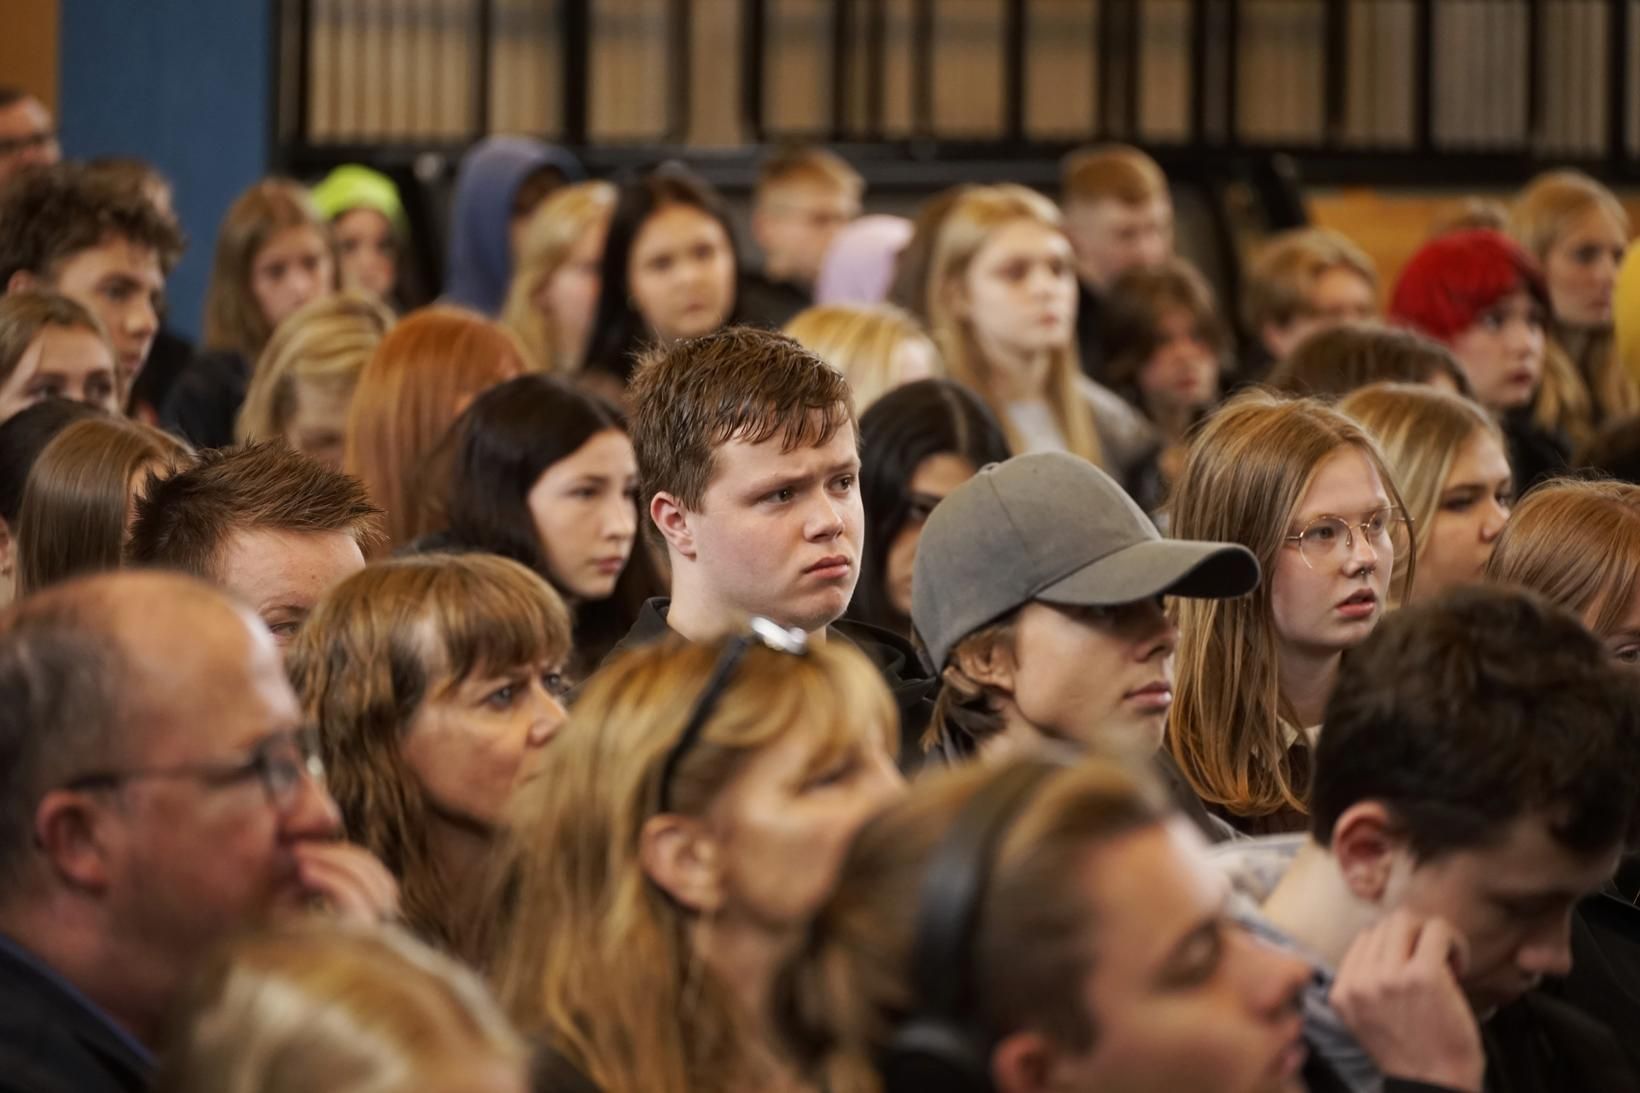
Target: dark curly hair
(50, 213)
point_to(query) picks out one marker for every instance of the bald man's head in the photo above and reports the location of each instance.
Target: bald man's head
(115, 670)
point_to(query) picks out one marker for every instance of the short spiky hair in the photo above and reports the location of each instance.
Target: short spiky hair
(50, 213)
(184, 521)
(741, 383)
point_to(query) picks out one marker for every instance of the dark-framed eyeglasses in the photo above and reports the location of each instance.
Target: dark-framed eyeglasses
(1328, 540)
(279, 762)
(761, 631)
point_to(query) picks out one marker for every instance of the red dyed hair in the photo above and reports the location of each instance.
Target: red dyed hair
(1454, 278)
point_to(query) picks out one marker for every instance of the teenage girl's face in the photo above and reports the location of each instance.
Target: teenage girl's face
(934, 478)
(318, 421)
(569, 297)
(467, 741)
(1473, 506)
(782, 827)
(1183, 999)
(1018, 294)
(1581, 268)
(682, 273)
(369, 253)
(1332, 601)
(1183, 372)
(62, 362)
(1622, 641)
(292, 268)
(1501, 353)
(586, 513)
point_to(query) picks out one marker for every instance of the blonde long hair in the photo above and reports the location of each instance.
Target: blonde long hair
(1545, 210)
(860, 341)
(975, 217)
(233, 319)
(1576, 543)
(325, 343)
(319, 1005)
(1243, 480)
(1420, 430)
(426, 370)
(378, 647)
(592, 953)
(553, 231)
(76, 506)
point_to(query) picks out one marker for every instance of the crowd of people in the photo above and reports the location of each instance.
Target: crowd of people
(956, 652)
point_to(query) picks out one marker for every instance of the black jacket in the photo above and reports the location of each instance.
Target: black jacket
(1540, 1043)
(51, 1041)
(893, 656)
(203, 404)
(764, 301)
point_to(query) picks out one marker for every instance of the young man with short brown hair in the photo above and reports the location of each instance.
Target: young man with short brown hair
(1303, 281)
(804, 195)
(749, 467)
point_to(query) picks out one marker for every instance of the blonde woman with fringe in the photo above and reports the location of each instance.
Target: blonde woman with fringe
(304, 379)
(658, 876)
(1307, 491)
(1002, 297)
(1577, 544)
(1451, 464)
(876, 347)
(554, 290)
(320, 1007)
(1577, 232)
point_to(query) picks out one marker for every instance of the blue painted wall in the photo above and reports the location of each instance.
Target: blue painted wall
(184, 84)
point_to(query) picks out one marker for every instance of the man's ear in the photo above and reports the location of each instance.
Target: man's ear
(672, 519)
(71, 833)
(1366, 848)
(21, 281)
(682, 857)
(1023, 1063)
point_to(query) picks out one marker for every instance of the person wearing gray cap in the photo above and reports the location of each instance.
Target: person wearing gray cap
(1037, 597)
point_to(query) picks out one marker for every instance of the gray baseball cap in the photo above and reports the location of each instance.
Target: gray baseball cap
(1052, 527)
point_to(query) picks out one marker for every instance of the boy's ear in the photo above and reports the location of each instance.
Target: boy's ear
(672, 519)
(1366, 848)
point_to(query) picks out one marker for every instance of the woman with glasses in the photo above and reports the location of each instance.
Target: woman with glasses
(432, 679)
(669, 849)
(1307, 491)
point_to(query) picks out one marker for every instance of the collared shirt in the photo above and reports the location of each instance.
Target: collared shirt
(23, 956)
(1254, 867)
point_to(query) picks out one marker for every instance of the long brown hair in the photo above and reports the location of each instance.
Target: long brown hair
(554, 229)
(423, 374)
(77, 503)
(839, 1000)
(325, 343)
(975, 217)
(233, 319)
(380, 645)
(1577, 543)
(1242, 483)
(592, 953)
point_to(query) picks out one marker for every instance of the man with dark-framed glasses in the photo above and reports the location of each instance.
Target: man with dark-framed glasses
(157, 793)
(27, 137)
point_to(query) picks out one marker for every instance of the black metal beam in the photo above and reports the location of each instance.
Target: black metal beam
(1423, 76)
(1336, 74)
(482, 64)
(1534, 74)
(680, 48)
(842, 34)
(1013, 69)
(876, 120)
(922, 69)
(1232, 73)
(1200, 45)
(754, 46)
(575, 88)
(1619, 28)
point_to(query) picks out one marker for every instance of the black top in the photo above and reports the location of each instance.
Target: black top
(51, 1040)
(892, 655)
(204, 403)
(1089, 343)
(168, 357)
(550, 1072)
(1534, 452)
(767, 302)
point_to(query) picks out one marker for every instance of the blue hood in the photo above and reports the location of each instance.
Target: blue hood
(480, 263)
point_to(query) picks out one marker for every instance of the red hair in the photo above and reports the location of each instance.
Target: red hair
(423, 374)
(1454, 278)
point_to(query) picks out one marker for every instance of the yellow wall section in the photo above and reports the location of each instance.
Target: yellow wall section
(28, 48)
